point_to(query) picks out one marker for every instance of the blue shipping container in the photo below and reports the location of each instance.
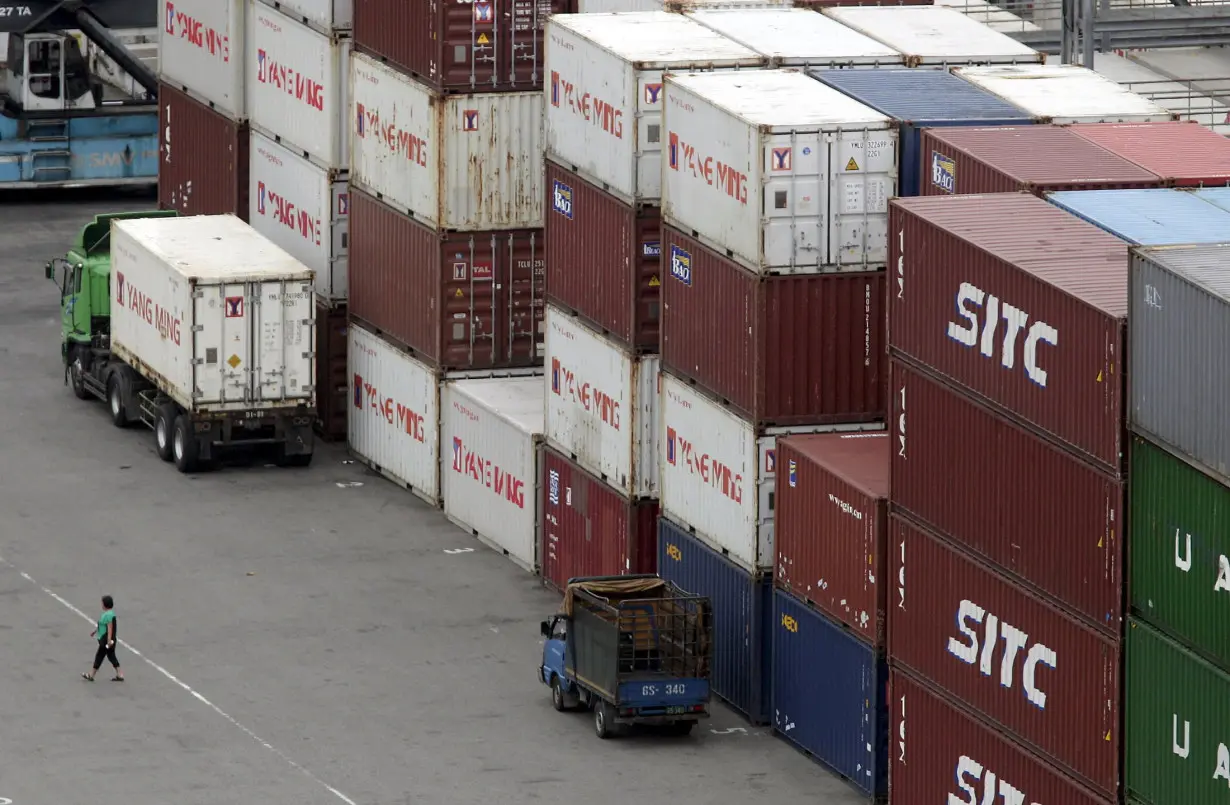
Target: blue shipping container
(1217, 196)
(742, 607)
(920, 99)
(829, 694)
(1158, 217)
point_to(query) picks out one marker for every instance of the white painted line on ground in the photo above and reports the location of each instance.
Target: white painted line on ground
(189, 690)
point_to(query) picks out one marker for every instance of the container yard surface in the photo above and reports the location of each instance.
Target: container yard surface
(797, 37)
(1157, 217)
(1065, 93)
(202, 157)
(201, 46)
(934, 36)
(1184, 153)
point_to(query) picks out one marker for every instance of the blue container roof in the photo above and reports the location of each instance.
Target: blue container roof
(1218, 196)
(921, 95)
(1158, 217)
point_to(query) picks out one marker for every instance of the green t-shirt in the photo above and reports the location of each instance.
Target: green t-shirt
(103, 620)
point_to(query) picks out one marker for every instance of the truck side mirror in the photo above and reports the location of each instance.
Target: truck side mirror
(50, 270)
(546, 628)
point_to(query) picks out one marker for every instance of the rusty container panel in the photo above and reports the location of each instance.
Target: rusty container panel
(604, 258)
(332, 380)
(783, 349)
(202, 157)
(1184, 153)
(832, 518)
(459, 301)
(1009, 496)
(476, 46)
(1019, 302)
(1036, 674)
(1035, 159)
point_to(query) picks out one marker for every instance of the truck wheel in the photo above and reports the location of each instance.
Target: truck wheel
(115, 400)
(557, 695)
(296, 460)
(602, 720)
(183, 445)
(164, 431)
(76, 377)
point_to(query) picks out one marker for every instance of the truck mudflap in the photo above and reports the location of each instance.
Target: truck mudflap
(662, 700)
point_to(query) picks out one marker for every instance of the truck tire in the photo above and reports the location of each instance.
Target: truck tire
(557, 695)
(76, 377)
(296, 460)
(115, 400)
(602, 720)
(164, 431)
(183, 445)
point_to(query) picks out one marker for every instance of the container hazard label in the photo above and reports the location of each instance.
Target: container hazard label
(234, 307)
(851, 165)
(234, 361)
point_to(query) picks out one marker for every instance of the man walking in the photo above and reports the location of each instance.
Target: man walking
(106, 636)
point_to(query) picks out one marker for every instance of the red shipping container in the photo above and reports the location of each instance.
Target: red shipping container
(940, 752)
(469, 46)
(202, 157)
(332, 377)
(1035, 159)
(800, 349)
(1036, 511)
(1184, 153)
(1035, 673)
(1020, 302)
(831, 523)
(460, 301)
(590, 529)
(604, 258)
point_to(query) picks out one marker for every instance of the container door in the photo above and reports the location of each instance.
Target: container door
(336, 284)
(284, 351)
(221, 344)
(863, 165)
(766, 492)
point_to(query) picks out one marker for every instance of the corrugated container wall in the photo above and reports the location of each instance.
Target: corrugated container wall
(935, 36)
(919, 99)
(201, 49)
(1184, 153)
(832, 518)
(1054, 274)
(803, 172)
(1158, 217)
(830, 694)
(783, 349)
(332, 374)
(202, 157)
(742, 615)
(323, 14)
(797, 37)
(1065, 93)
(460, 47)
(1054, 684)
(604, 258)
(462, 301)
(589, 529)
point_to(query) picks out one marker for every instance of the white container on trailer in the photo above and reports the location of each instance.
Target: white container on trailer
(798, 37)
(201, 50)
(935, 36)
(1065, 93)
(778, 171)
(326, 15)
(609, 6)
(604, 91)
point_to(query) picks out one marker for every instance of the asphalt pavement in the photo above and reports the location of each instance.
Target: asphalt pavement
(305, 636)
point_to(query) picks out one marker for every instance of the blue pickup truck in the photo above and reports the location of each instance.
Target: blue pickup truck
(634, 649)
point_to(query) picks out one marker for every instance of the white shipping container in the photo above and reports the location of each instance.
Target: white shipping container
(602, 405)
(796, 37)
(201, 50)
(609, 6)
(394, 422)
(933, 36)
(216, 315)
(784, 173)
(303, 208)
(460, 162)
(604, 90)
(327, 15)
(1065, 93)
(489, 474)
(297, 86)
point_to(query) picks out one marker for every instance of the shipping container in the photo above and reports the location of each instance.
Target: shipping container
(332, 375)
(1180, 328)
(758, 206)
(590, 529)
(964, 263)
(1054, 683)
(604, 258)
(797, 37)
(742, 617)
(489, 479)
(935, 36)
(1157, 217)
(677, 6)
(1065, 93)
(460, 301)
(783, 350)
(303, 208)
(298, 83)
(457, 162)
(463, 47)
(602, 405)
(202, 157)
(918, 99)
(1184, 153)
(1032, 159)
(830, 694)
(1177, 725)
(941, 752)
(604, 86)
(201, 50)
(832, 521)
(325, 15)
(980, 479)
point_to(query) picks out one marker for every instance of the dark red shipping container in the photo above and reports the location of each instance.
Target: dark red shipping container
(1020, 302)
(1035, 159)
(831, 523)
(1184, 153)
(1021, 502)
(458, 300)
(202, 157)
(460, 45)
(940, 752)
(604, 258)
(800, 349)
(1041, 676)
(590, 529)
(332, 379)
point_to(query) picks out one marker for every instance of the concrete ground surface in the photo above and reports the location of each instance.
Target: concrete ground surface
(302, 638)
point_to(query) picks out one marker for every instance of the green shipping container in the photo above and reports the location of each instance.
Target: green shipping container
(1179, 550)
(1178, 723)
